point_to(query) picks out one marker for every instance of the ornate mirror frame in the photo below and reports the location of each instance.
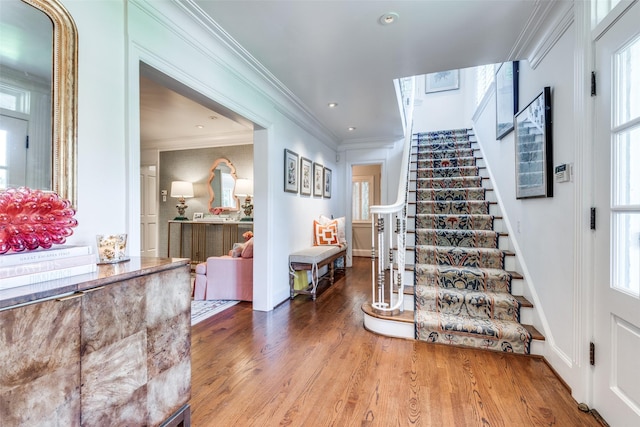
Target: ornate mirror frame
(212, 175)
(64, 99)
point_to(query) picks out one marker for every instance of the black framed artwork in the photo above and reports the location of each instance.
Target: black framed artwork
(290, 171)
(326, 191)
(506, 97)
(306, 177)
(318, 179)
(534, 148)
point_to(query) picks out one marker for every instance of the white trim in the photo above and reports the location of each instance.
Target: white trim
(218, 140)
(484, 102)
(552, 36)
(303, 116)
(611, 18)
(530, 29)
(583, 286)
(368, 144)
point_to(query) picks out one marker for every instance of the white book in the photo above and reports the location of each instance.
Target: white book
(43, 276)
(37, 255)
(45, 265)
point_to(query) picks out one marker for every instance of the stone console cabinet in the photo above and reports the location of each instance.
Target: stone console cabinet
(110, 348)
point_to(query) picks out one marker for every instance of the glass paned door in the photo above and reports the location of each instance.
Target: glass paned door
(625, 209)
(616, 390)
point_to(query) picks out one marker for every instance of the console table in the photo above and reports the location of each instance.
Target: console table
(199, 240)
(109, 348)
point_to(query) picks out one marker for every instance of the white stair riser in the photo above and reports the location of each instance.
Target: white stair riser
(537, 347)
(389, 328)
(517, 286)
(408, 278)
(409, 304)
(526, 315)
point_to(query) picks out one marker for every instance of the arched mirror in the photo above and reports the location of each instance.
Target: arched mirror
(38, 93)
(222, 184)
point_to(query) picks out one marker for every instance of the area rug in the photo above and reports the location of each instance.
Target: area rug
(201, 310)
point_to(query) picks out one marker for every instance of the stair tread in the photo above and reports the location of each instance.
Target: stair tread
(404, 317)
(414, 216)
(486, 271)
(535, 334)
(409, 317)
(523, 301)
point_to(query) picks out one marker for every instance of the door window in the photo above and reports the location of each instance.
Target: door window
(625, 194)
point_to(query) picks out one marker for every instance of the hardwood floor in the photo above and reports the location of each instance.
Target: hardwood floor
(313, 364)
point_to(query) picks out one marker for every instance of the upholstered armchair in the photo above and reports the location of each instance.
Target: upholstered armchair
(228, 277)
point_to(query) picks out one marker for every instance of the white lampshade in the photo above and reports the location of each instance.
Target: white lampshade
(181, 189)
(244, 187)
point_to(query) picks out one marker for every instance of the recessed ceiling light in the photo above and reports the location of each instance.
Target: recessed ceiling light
(351, 128)
(200, 126)
(213, 117)
(332, 104)
(388, 18)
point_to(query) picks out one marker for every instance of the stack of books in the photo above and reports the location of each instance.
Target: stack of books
(27, 268)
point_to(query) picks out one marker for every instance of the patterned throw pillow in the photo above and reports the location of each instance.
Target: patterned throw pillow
(326, 234)
(342, 238)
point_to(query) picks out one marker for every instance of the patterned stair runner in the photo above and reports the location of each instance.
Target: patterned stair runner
(462, 292)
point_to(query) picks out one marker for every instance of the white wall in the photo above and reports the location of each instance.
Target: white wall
(543, 229)
(102, 184)
(114, 36)
(443, 110)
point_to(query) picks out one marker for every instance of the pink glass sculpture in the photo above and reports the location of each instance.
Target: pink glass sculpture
(33, 218)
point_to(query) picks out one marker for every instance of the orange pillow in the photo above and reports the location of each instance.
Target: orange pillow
(325, 234)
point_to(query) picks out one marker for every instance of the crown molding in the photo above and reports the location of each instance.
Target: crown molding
(565, 16)
(218, 140)
(521, 46)
(271, 88)
(369, 143)
(538, 36)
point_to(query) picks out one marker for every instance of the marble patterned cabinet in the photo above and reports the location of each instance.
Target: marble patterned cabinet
(113, 351)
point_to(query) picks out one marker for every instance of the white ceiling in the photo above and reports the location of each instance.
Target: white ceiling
(337, 51)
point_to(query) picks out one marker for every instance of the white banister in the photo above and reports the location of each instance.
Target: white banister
(389, 221)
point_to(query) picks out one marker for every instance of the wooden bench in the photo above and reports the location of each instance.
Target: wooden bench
(313, 259)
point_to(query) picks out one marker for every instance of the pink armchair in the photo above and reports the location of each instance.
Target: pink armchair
(226, 277)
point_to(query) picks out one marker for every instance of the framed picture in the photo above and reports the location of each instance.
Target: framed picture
(442, 81)
(290, 171)
(534, 148)
(198, 215)
(506, 97)
(326, 191)
(305, 176)
(318, 179)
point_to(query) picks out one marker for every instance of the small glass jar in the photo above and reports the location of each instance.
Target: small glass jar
(111, 248)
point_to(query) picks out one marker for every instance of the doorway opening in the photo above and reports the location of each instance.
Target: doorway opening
(365, 192)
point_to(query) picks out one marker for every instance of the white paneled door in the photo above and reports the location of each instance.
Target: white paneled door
(617, 237)
(148, 211)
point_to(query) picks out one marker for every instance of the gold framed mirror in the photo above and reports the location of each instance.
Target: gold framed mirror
(64, 64)
(222, 184)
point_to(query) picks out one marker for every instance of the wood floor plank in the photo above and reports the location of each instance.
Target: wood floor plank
(312, 363)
